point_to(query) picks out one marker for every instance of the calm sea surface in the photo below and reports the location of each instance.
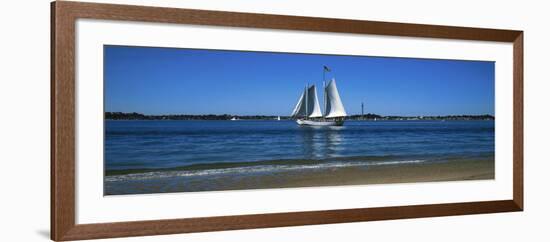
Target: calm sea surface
(144, 145)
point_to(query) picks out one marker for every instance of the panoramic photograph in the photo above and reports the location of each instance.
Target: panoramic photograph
(195, 120)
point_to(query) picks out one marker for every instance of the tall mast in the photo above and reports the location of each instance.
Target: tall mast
(325, 69)
(324, 94)
(306, 100)
(324, 97)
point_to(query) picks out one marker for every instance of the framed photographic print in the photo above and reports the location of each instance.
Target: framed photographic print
(172, 120)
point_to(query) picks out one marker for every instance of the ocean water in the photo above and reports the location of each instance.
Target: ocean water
(192, 147)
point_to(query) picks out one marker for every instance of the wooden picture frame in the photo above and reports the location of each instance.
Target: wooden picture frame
(63, 18)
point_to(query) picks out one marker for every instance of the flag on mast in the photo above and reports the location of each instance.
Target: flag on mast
(326, 68)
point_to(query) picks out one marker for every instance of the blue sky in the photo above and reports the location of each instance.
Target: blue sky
(185, 81)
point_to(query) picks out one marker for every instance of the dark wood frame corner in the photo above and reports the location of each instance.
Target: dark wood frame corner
(63, 17)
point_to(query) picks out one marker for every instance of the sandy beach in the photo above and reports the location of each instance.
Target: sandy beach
(451, 170)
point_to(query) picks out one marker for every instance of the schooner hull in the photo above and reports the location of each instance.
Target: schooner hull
(320, 122)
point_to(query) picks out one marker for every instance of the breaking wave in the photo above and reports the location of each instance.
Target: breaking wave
(232, 169)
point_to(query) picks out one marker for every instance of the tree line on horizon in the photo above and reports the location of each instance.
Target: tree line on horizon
(368, 116)
(139, 116)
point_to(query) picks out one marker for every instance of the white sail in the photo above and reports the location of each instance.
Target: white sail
(333, 104)
(300, 109)
(314, 109)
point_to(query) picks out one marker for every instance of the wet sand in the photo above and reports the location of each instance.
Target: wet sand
(452, 170)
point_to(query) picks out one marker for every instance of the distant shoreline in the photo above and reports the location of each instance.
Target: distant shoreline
(369, 116)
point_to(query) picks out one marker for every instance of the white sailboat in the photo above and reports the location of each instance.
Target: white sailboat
(308, 110)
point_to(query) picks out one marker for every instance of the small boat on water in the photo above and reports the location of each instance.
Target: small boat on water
(234, 119)
(308, 110)
(278, 118)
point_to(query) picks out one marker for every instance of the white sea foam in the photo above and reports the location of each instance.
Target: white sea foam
(252, 169)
